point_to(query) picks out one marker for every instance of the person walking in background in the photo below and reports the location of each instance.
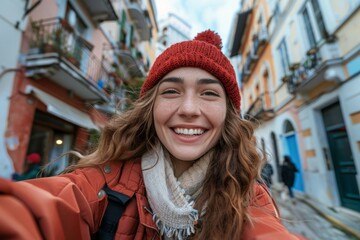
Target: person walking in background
(288, 170)
(181, 162)
(32, 169)
(266, 174)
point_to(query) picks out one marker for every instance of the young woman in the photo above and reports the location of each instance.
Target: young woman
(182, 161)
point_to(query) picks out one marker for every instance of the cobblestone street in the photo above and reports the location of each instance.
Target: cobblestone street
(300, 218)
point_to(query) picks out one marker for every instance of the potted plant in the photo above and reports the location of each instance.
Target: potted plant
(71, 58)
(55, 40)
(37, 41)
(108, 88)
(286, 78)
(116, 74)
(66, 26)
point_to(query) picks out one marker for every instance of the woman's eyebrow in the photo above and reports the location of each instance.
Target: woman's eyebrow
(208, 81)
(198, 82)
(173, 80)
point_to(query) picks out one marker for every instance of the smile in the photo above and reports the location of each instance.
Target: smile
(189, 131)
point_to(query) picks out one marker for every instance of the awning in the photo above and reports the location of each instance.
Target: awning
(61, 109)
(241, 24)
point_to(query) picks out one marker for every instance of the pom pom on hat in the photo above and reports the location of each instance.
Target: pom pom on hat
(210, 37)
(203, 52)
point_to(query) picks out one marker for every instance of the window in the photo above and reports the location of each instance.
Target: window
(76, 43)
(263, 146)
(122, 36)
(257, 90)
(284, 57)
(289, 128)
(250, 99)
(319, 19)
(309, 29)
(74, 20)
(276, 14)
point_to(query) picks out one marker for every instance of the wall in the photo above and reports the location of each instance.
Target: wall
(11, 11)
(346, 34)
(321, 180)
(350, 99)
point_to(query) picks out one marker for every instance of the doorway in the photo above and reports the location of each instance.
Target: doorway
(293, 151)
(51, 137)
(342, 157)
(276, 153)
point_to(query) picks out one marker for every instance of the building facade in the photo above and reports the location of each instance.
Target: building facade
(172, 29)
(72, 72)
(11, 25)
(305, 101)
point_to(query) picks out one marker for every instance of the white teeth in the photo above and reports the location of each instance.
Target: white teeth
(186, 131)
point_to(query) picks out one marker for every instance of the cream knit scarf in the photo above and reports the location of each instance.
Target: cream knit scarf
(172, 199)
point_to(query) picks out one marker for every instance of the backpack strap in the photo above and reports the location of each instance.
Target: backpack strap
(116, 206)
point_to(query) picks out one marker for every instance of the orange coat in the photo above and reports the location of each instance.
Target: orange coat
(71, 206)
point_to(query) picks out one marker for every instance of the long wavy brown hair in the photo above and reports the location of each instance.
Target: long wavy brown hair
(230, 178)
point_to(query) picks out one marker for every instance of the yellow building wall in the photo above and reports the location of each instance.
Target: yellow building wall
(150, 47)
(295, 47)
(265, 56)
(347, 34)
(281, 94)
(340, 9)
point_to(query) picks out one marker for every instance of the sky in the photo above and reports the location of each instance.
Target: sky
(217, 15)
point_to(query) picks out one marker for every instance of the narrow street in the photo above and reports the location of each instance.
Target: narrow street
(299, 217)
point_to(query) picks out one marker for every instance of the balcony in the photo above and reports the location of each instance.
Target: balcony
(314, 72)
(259, 109)
(246, 71)
(260, 39)
(250, 62)
(132, 59)
(113, 106)
(101, 10)
(60, 55)
(253, 58)
(140, 19)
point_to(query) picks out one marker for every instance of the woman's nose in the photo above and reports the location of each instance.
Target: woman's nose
(189, 106)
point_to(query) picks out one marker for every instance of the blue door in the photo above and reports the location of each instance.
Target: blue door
(294, 155)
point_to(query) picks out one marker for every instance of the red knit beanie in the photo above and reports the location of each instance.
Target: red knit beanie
(33, 158)
(203, 52)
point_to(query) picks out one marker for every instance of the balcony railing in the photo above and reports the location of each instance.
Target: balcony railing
(133, 61)
(259, 109)
(54, 41)
(140, 18)
(246, 72)
(260, 39)
(322, 70)
(302, 71)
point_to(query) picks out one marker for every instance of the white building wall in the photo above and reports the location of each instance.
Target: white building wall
(349, 95)
(335, 12)
(11, 13)
(276, 125)
(323, 185)
(318, 173)
(321, 182)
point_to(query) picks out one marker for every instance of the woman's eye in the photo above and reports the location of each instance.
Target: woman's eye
(169, 91)
(210, 93)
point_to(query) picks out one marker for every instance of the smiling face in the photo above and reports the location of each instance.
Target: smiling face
(189, 113)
